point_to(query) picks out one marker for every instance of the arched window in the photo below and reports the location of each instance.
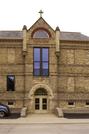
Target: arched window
(40, 91)
(41, 33)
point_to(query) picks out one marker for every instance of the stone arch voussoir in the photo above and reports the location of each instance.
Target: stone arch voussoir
(46, 87)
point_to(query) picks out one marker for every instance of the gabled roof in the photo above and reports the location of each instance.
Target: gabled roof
(40, 20)
(66, 36)
(10, 34)
(75, 36)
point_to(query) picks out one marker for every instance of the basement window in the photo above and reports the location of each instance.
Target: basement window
(71, 103)
(87, 103)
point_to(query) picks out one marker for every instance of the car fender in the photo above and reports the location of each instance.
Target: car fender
(3, 110)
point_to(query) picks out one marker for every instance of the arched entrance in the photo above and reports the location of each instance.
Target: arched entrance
(41, 97)
(41, 100)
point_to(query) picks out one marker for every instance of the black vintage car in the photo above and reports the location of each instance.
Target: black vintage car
(4, 110)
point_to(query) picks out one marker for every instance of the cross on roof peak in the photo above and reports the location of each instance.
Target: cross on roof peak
(41, 12)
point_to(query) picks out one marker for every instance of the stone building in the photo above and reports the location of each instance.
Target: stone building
(42, 68)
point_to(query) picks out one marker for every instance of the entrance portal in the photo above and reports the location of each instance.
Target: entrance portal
(41, 101)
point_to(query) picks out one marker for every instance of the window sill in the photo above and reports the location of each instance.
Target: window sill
(71, 106)
(87, 106)
(40, 76)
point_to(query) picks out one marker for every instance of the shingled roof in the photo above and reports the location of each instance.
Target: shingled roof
(10, 34)
(66, 36)
(75, 36)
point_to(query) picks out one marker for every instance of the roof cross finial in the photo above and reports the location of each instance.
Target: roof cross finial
(41, 12)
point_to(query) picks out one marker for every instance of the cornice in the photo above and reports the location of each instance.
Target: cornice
(10, 40)
(76, 46)
(74, 41)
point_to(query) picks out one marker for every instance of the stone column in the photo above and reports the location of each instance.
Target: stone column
(24, 60)
(24, 38)
(57, 39)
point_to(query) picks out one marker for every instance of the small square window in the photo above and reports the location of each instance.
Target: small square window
(10, 103)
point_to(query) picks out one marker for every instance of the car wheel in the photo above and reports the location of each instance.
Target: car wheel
(2, 114)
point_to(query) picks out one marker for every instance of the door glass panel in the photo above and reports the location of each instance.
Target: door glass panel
(44, 107)
(37, 100)
(37, 104)
(44, 100)
(44, 104)
(37, 107)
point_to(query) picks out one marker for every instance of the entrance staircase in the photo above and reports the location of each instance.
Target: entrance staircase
(42, 118)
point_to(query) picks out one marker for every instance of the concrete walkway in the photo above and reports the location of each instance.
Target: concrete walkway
(43, 118)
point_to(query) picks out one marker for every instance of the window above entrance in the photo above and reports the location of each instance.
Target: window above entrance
(41, 33)
(41, 62)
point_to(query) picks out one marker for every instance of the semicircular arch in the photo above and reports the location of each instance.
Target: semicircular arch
(41, 33)
(46, 87)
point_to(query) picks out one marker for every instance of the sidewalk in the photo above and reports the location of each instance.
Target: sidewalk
(43, 118)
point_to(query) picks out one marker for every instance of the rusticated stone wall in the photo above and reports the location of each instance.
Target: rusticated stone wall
(68, 79)
(74, 74)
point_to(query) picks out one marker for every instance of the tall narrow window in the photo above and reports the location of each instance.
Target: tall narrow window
(10, 83)
(41, 62)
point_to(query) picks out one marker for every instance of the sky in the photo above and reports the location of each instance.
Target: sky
(69, 15)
